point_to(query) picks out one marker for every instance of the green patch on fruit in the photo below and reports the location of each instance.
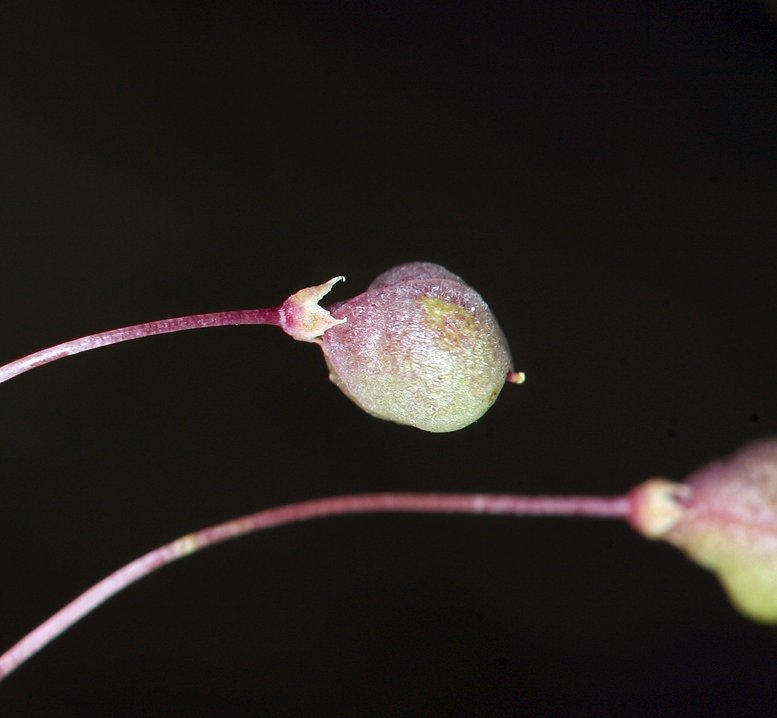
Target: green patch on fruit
(746, 565)
(453, 323)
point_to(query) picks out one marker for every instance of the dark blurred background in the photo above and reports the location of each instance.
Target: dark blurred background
(605, 174)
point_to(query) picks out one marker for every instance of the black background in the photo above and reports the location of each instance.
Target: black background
(605, 174)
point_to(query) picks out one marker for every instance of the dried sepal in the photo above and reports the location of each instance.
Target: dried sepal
(301, 317)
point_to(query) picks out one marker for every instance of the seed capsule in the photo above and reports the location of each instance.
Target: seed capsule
(419, 347)
(723, 517)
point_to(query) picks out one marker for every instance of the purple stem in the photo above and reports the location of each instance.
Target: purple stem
(114, 336)
(615, 507)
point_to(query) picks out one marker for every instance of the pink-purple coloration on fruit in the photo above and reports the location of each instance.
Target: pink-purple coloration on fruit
(723, 517)
(419, 347)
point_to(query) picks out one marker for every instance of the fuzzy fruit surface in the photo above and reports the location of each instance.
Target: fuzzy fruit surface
(419, 347)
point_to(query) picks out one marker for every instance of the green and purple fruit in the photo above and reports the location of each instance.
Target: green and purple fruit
(419, 347)
(723, 517)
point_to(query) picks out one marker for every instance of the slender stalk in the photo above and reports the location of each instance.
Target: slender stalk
(137, 331)
(615, 507)
(299, 316)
